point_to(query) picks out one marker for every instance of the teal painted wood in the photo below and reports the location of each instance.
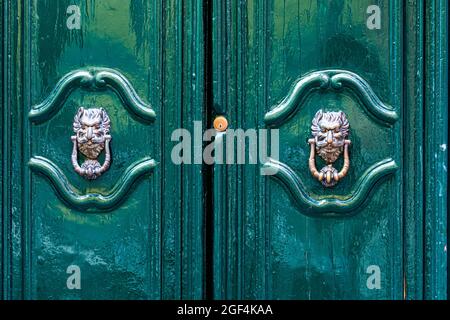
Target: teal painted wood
(330, 80)
(94, 79)
(264, 246)
(397, 74)
(336, 80)
(3, 222)
(14, 267)
(151, 245)
(221, 286)
(414, 156)
(332, 206)
(194, 109)
(171, 206)
(92, 202)
(436, 149)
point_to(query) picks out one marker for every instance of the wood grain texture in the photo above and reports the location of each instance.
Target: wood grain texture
(436, 149)
(149, 247)
(264, 247)
(92, 202)
(332, 206)
(414, 156)
(3, 221)
(336, 80)
(93, 79)
(14, 268)
(153, 245)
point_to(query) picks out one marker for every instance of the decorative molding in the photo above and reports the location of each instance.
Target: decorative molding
(330, 206)
(92, 202)
(330, 80)
(335, 80)
(94, 79)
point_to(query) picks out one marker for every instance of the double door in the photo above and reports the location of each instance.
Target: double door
(351, 203)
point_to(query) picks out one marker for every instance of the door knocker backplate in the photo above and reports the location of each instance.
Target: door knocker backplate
(91, 127)
(330, 131)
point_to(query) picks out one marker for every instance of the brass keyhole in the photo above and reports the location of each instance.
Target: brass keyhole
(221, 124)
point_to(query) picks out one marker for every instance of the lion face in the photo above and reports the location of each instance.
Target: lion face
(91, 127)
(330, 129)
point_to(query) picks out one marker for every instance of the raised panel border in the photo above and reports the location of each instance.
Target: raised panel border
(331, 206)
(384, 114)
(93, 79)
(330, 80)
(92, 202)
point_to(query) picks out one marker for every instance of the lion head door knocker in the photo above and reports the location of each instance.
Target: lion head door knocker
(91, 127)
(330, 130)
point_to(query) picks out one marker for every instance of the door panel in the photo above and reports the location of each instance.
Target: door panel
(134, 232)
(288, 236)
(436, 150)
(138, 226)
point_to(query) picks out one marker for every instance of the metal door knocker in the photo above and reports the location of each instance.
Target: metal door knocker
(329, 130)
(91, 127)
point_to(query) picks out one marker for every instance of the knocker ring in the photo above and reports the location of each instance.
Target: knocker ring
(329, 130)
(91, 127)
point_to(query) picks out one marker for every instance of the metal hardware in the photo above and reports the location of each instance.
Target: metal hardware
(91, 127)
(329, 130)
(221, 124)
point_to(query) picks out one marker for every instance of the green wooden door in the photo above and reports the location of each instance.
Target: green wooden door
(94, 207)
(287, 236)
(135, 232)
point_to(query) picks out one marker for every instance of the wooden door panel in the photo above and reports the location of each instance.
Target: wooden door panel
(286, 61)
(123, 230)
(275, 64)
(148, 228)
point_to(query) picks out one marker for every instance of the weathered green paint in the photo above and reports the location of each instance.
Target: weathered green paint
(141, 230)
(414, 157)
(136, 232)
(3, 230)
(436, 149)
(287, 241)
